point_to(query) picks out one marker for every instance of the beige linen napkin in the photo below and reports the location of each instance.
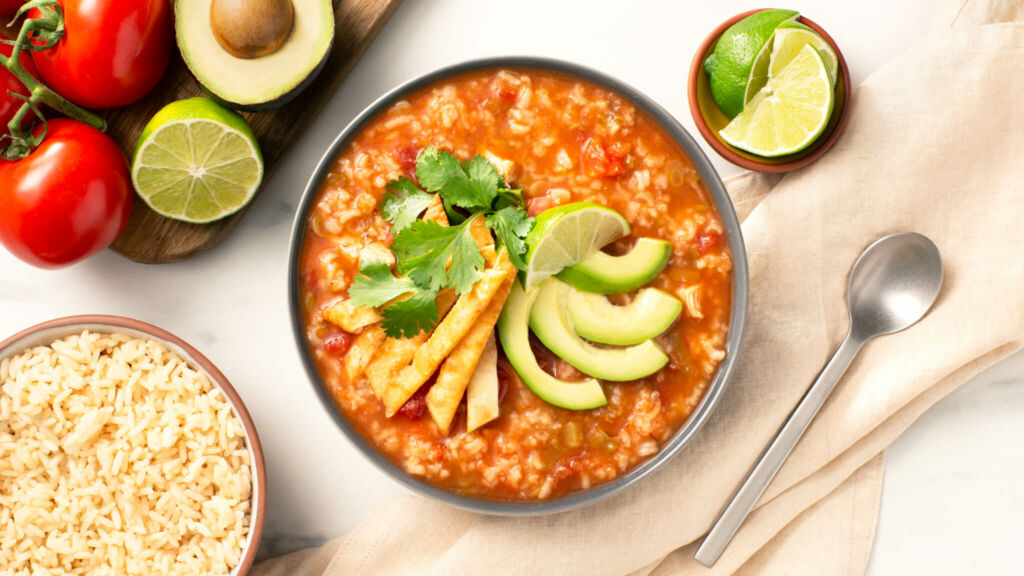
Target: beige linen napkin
(935, 144)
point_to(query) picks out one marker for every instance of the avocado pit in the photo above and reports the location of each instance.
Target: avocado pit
(251, 28)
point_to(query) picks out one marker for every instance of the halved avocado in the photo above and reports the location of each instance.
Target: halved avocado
(514, 330)
(549, 319)
(603, 273)
(650, 313)
(264, 82)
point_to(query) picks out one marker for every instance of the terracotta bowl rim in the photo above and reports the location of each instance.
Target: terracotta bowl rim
(726, 151)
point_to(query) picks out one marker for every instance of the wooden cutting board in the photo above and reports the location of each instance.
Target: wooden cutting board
(153, 239)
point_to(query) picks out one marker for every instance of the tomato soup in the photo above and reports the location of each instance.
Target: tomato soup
(560, 139)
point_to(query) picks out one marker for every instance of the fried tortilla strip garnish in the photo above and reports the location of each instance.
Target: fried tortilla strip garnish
(349, 317)
(482, 237)
(482, 392)
(435, 212)
(362, 351)
(457, 370)
(397, 353)
(447, 334)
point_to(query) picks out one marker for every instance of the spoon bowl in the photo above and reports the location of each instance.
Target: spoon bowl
(893, 284)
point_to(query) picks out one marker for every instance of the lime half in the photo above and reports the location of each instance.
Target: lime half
(197, 162)
(568, 234)
(789, 113)
(729, 66)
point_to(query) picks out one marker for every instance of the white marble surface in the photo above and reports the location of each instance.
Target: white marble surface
(952, 494)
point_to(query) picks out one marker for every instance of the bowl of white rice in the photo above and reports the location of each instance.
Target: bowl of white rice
(123, 450)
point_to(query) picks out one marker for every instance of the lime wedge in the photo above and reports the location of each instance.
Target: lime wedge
(789, 113)
(790, 38)
(759, 71)
(568, 234)
(197, 162)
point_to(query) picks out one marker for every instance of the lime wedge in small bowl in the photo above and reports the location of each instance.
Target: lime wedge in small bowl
(568, 234)
(789, 113)
(785, 44)
(790, 38)
(197, 162)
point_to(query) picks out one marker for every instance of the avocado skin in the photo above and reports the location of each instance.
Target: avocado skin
(267, 105)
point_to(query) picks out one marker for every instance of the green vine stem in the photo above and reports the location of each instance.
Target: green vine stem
(38, 34)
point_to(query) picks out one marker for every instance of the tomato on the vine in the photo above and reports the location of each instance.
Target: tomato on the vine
(113, 51)
(8, 83)
(68, 199)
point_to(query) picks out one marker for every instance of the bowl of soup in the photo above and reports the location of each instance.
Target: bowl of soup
(484, 434)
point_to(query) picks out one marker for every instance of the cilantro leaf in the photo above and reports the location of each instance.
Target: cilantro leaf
(425, 249)
(484, 179)
(408, 317)
(509, 198)
(472, 185)
(510, 226)
(404, 203)
(375, 285)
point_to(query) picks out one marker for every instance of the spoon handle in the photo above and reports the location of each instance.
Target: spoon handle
(756, 483)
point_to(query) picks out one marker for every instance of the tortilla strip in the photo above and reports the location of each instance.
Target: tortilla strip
(349, 317)
(362, 351)
(457, 370)
(482, 236)
(397, 353)
(482, 392)
(447, 334)
(435, 212)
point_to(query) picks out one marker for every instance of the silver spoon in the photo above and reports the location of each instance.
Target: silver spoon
(891, 286)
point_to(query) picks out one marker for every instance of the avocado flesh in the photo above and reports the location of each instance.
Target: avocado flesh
(650, 313)
(603, 273)
(550, 321)
(514, 330)
(260, 83)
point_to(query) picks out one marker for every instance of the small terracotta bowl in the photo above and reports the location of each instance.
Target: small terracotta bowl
(709, 119)
(47, 332)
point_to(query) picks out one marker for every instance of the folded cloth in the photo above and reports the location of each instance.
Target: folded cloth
(934, 144)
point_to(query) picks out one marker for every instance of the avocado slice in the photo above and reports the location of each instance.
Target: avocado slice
(513, 328)
(550, 321)
(260, 83)
(650, 313)
(603, 273)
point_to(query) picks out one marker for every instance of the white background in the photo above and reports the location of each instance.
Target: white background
(953, 491)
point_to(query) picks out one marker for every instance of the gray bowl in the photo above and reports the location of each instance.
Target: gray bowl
(740, 287)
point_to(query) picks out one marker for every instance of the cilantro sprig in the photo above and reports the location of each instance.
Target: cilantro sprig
(430, 257)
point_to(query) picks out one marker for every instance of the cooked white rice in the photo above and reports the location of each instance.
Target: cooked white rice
(117, 457)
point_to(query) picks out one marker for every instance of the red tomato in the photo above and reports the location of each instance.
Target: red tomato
(338, 344)
(9, 105)
(68, 199)
(113, 51)
(706, 241)
(604, 160)
(416, 406)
